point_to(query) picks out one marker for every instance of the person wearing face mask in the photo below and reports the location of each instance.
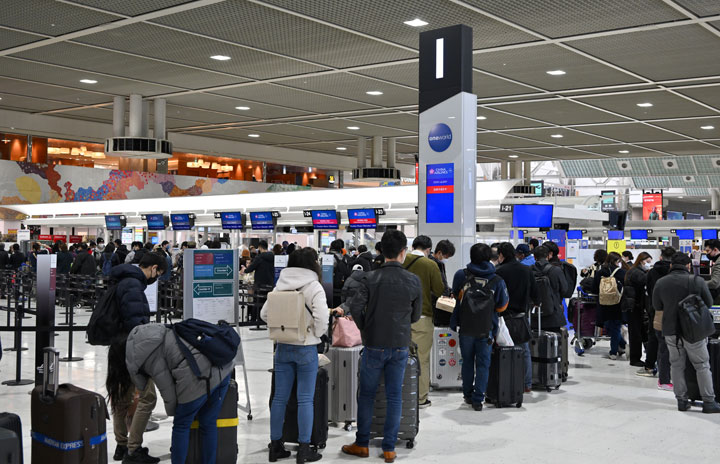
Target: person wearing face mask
(611, 315)
(133, 310)
(712, 249)
(634, 303)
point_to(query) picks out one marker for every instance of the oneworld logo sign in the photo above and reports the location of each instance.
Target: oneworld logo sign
(440, 137)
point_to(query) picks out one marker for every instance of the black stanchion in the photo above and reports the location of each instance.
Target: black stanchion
(17, 381)
(70, 357)
(258, 300)
(18, 323)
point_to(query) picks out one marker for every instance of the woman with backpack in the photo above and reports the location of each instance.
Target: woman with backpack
(634, 303)
(297, 361)
(608, 285)
(110, 259)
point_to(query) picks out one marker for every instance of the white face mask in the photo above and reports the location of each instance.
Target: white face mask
(648, 266)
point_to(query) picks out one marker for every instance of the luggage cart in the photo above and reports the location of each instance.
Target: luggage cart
(586, 332)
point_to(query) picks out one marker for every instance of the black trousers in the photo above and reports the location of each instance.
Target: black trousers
(651, 348)
(637, 332)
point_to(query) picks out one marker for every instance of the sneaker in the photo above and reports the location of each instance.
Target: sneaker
(477, 406)
(637, 364)
(425, 404)
(613, 357)
(120, 452)
(711, 407)
(665, 387)
(645, 372)
(140, 456)
(684, 405)
(467, 400)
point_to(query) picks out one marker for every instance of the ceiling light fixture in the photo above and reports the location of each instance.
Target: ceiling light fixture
(220, 57)
(353, 127)
(707, 127)
(557, 136)
(556, 72)
(680, 198)
(341, 148)
(703, 199)
(88, 81)
(624, 152)
(481, 118)
(374, 93)
(242, 108)
(645, 105)
(417, 22)
(512, 156)
(254, 135)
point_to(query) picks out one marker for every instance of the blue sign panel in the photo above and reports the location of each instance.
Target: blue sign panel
(440, 137)
(440, 193)
(231, 221)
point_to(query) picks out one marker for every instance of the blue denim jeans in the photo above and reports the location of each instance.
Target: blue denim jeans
(475, 367)
(614, 328)
(206, 408)
(528, 364)
(374, 363)
(301, 363)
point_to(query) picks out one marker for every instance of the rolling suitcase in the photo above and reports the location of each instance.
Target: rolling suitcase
(319, 435)
(410, 419)
(10, 449)
(506, 383)
(546, 356)
(564, 353)
(445, 359)
(693, 389)
(67, 422)
(342, 397)
(227, 422)
(12, 423)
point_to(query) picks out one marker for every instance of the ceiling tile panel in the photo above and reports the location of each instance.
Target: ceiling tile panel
(242, 135)
(355, 87)
(665, 105)
(49, 17)
(555, 153)
(685, 148)
(569, 136)
(707, 165)
(506, 141)
(497, 120)
(681, 165)
(694, 127)
(696, 192)
(51, 92)
(615, 149)
(365, 129)
(226, 104)
(708, 95)
(404, 121)
(559, 111)
(10, 39)
(624, 167)
(651, 182)
(324, 147)
(131, 7)
(194, 114)
(701, 7)
(302, 131)
(631, 132)
(582, 168)
(29, 104)
(689, 181)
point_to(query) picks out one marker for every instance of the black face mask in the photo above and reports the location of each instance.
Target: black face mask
(151, 280)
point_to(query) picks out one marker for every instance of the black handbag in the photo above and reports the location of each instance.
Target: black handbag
(519, 327)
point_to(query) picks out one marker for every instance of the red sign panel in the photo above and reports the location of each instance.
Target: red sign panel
(76, 239)
(204, 258)
(652, 206)
(59, 238)
(45, 237)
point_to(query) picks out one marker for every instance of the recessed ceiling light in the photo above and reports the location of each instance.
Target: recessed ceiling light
(353, 127)
(416, 23)
(374, 93)
(341, 148)
(707, 127)
(557, 136)
(703, 199)
(556, 72)
(680, 198)
(242, 108)
(451, 117)
(220, 57)
(254, 135)
(88, 81)
(624, 152)
(512, 156)
(481, 118)
(645, 105)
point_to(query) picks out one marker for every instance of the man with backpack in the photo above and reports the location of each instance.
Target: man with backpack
(481, 295)
(569, 270)
(712, 250)
(668, 296)
(341, 271)
(419, 264)
(132, 310)
(551, 285)
(84, 262)
(364, 258)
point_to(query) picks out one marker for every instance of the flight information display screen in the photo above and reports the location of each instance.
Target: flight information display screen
(155, 221)
(181, 221)
(114, 223)
(325, 219)
(440, 193)
(262, 220)
(362, 218)
(232, 221)
(532, 216)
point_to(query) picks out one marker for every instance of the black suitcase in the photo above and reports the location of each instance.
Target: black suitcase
(68, 423)
(319, 435)
(410, 419)
(506, 383)
(227, 422)
(545, 351)
(564, 353)
(10, 449)
(693, 389)
(12, 422)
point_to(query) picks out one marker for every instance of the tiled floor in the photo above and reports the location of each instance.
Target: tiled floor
(604, 413)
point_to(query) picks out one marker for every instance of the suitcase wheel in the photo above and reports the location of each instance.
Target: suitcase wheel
(410, 444)
(519, 405)
(557, 388)
(249, 417)
(348, 426)
(548, 389)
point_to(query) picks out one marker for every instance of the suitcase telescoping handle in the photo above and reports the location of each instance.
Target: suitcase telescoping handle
(537, 309)
(51, 360)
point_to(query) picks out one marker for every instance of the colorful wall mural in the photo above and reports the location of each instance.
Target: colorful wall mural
(30, 183)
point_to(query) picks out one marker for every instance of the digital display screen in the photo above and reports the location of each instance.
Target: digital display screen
(674, 216)
(693, 217)
(155, 221)
(262, 221)
(362, 218)
(113, 223)
(181, 221)
(532, 216)
(574, 235)
(608, 200)
(685, 234)
(440, 193)
(638, 235)
(709, 234)
(232, 221)
(653, 207)
(538, 188)
(325, 219)
(616, 235)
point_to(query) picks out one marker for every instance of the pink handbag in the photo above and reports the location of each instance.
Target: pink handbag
(345, 333)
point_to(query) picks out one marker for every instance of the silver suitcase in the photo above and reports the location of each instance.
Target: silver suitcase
(445, 359)
(343, 385)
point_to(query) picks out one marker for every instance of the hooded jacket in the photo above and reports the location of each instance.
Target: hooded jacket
(520, 283)
(133, 304)
(64, 262)
(558, 286)
(305, 280)
(672, 289)
(264, 267)
(84, 264)
(485, 270)
(152, 352)
(634, 292)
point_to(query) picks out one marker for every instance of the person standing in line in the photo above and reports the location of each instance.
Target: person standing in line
(17, 258)
(64, 259)
(4, 257)
(520, 283)
(533, 243)
(476, 351)
(554, 317)
(611, 315)
(419, 264)
(384, 304)
(524, 255)
(263, 266)
(634, 303)
(712, 250)
(668, 293)
(628, 258)
(84, 262)
(444, 250)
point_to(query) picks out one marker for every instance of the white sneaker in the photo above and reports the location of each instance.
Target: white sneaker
(665, 387)
(613, 357)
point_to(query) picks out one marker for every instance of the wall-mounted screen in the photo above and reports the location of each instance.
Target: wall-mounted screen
(539, 216)
(638, 235)
(440, 193)
(232, 221)
(694, 217)
(652, 206)
(685, 234)
(325, 219)
(709, 234)
(182, 221)
(675, 216)
(616, 235)
(362, 218)
(262, 220)
(574, 234)
(115, 222)
(156, 221)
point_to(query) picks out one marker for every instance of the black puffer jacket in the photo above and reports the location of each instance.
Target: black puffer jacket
(384, 303)
(659, 270)
(134, 308)
(84, 264)
(264, 267)
(634, 291)
(558, 285)
(520, 283)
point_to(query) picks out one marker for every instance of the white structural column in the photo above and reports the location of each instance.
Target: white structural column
(119, 116)
(391, 152)
(159, 110)
(361, 152)
(136, 119)
(527, 174)
(376, 156)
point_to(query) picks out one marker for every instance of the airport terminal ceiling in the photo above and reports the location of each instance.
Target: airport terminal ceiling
(611, 80)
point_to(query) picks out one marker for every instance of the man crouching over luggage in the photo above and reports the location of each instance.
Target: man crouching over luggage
(386, 302)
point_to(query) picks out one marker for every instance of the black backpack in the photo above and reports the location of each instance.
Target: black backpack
(544, 290)
(105, 323)
(696, 320)
(571, 274)
(477, 306)
(341, 272)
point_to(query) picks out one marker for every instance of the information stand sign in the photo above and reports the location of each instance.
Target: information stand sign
(327, 262)
(45, 320)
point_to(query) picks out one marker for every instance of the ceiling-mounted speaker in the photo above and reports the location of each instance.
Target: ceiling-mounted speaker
(715, 162)
(624, 165)
(689, 179)
(670, 164)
